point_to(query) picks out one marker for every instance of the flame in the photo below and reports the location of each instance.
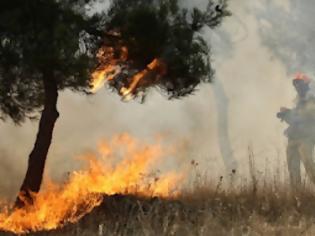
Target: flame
(57, 204)
(126, 93)
(100, 76)
(157, 66)
(109, 66)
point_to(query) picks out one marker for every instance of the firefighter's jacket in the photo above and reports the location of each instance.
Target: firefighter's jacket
(301, 119)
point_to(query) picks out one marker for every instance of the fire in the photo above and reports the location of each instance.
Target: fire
(100, 76)
(57, 204)
(111, 65)
(126, 93)
(156, 67)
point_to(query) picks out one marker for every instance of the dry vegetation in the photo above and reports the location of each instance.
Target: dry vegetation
(224, 207)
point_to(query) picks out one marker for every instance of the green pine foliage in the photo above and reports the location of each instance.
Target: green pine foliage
(162, 29)
(40, 39)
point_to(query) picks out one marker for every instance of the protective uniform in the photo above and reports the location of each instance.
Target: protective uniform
(301, 131)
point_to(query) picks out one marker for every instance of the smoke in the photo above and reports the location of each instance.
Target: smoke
(287, 29)
(255, 82)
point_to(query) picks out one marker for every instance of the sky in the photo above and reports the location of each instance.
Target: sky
(256, 83)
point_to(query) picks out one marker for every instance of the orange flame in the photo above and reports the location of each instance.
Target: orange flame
(157, 66)
(108, 68)
(100, 76)
(57, 205)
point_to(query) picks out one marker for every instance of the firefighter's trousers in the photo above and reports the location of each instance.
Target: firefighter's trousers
(300, 150)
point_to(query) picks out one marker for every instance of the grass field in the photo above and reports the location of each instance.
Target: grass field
(224, 206)
(203, 210)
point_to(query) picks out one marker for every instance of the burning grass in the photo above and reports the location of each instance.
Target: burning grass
(203, 210)
(118, 196)
(127, 173)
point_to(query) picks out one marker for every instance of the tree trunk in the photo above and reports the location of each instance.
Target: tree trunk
(37, 158)
(222, 104)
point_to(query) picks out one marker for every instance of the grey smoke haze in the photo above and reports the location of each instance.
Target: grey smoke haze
(255, 82)
(288, 30)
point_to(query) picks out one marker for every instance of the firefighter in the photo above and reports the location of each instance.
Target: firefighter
(301, 131)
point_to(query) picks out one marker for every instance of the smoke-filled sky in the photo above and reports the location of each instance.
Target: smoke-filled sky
(256, 82)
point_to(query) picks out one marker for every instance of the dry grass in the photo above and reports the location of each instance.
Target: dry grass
(204, 211)
(256, 207)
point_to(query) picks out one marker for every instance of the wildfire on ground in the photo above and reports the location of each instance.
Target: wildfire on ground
(121, 166)
(114, 62)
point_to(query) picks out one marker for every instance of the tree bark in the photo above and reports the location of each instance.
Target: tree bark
(37, 158)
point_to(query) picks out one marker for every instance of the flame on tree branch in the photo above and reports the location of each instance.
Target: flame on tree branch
(155, 43)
